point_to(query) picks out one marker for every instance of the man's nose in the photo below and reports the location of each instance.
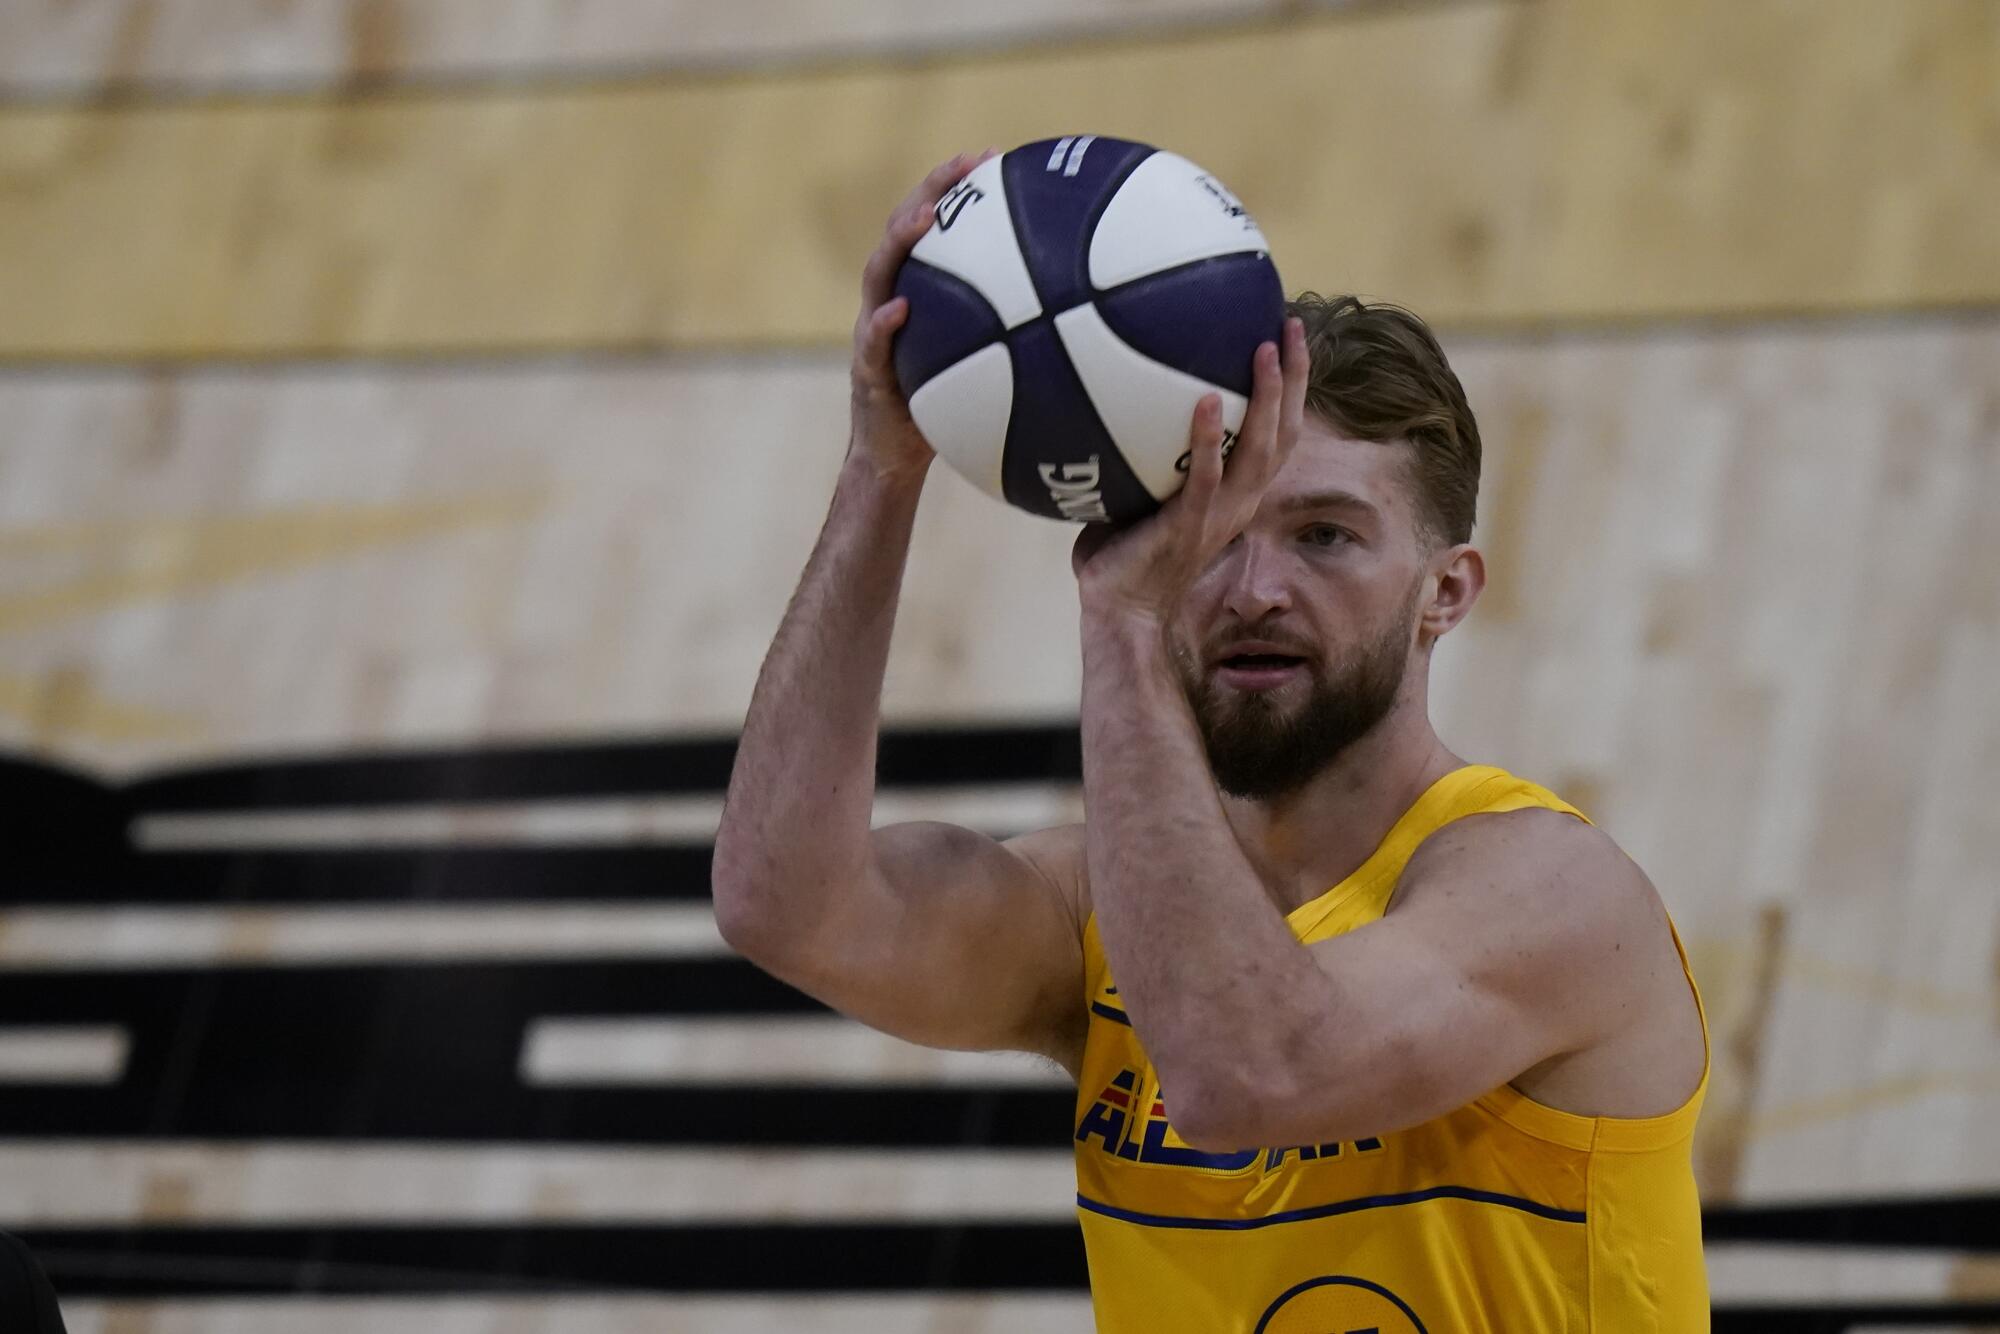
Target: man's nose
(1255, 580)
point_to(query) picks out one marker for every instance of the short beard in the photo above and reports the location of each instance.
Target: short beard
(1260, 751)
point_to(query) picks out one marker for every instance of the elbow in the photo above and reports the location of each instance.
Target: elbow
(765, 910)
(751, 930)
(735, 922)
(1215, 1137)
(1230, 1115)
(742, 916)
(1217, 1115)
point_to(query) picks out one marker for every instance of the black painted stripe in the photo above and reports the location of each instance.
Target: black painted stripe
(46, 807)
(731, 1115)
(1959, 1222)
(1834, 1318)
(416, 1051)
(921, 757)
(190, 1260)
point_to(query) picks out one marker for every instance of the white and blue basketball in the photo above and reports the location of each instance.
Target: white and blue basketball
(1072, 302)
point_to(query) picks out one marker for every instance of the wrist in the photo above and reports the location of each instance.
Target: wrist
(894, 479)
(1113, 626)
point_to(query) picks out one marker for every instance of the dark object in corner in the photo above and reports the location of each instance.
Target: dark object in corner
(27, 1302)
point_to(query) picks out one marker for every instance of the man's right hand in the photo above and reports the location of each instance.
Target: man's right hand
(934, 933)
(883, 430)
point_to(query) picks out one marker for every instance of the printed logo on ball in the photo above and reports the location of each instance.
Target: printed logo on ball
(955, 201)
(1186, 460)
(1075, 491)
(1068, 155)
(1231, 205)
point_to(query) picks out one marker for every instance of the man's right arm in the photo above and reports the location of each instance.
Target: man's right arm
(931, 932)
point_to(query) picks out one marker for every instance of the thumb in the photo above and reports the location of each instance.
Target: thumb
(1090, 539)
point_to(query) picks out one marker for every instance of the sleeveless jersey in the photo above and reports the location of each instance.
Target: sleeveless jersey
(1503, 1217)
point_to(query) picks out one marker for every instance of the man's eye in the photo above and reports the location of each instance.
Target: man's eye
(1326, 535)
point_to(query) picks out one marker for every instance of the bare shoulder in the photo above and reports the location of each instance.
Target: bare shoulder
(1057, 855)
(1577, 926)
(1569, 874)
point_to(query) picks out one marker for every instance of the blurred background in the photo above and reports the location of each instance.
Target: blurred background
(414, 414)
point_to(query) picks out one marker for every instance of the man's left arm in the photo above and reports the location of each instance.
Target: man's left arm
(1497, 956)
(1511, 942)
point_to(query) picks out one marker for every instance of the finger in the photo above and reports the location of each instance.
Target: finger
(921, 202)
(1252, 461)
(940, 179)
(906, 226)
(1204, 456)
(878, 277)
(1297, 362)
(1089, 541)
(875, 339)
(899, 237)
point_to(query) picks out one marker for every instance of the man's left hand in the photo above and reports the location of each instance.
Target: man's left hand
(1143, 569)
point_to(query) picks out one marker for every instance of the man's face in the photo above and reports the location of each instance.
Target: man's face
(1297, 640)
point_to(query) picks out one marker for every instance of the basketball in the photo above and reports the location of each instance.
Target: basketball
(1071, 303)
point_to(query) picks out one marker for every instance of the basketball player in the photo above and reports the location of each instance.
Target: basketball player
(1366, 1038)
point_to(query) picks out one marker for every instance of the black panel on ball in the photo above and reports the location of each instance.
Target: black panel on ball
(1059, 460)
(948, 321)
(1205, 318)
(1056, 190)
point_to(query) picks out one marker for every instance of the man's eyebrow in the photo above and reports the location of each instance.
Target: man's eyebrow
(1327, 500)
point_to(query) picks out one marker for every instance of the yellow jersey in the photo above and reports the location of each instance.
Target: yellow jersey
(1503, 1217)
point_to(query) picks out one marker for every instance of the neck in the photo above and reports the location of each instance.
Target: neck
(1309, 840)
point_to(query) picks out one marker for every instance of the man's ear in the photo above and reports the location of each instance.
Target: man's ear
(1456, 579)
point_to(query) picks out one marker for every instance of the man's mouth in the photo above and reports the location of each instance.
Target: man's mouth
(1259, 671)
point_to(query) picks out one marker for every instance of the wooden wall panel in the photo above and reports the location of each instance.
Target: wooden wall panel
(1755, 554)
(1487, 163)
(77, 48)
(1744, 608)
(1740, 612)
(339, 555)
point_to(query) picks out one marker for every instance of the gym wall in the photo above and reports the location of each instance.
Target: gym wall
(378, 378)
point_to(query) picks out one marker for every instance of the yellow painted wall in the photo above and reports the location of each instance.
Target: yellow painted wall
(1489, 162)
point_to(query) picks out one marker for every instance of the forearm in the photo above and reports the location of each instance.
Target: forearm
(796, 822)
(1204, 961)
